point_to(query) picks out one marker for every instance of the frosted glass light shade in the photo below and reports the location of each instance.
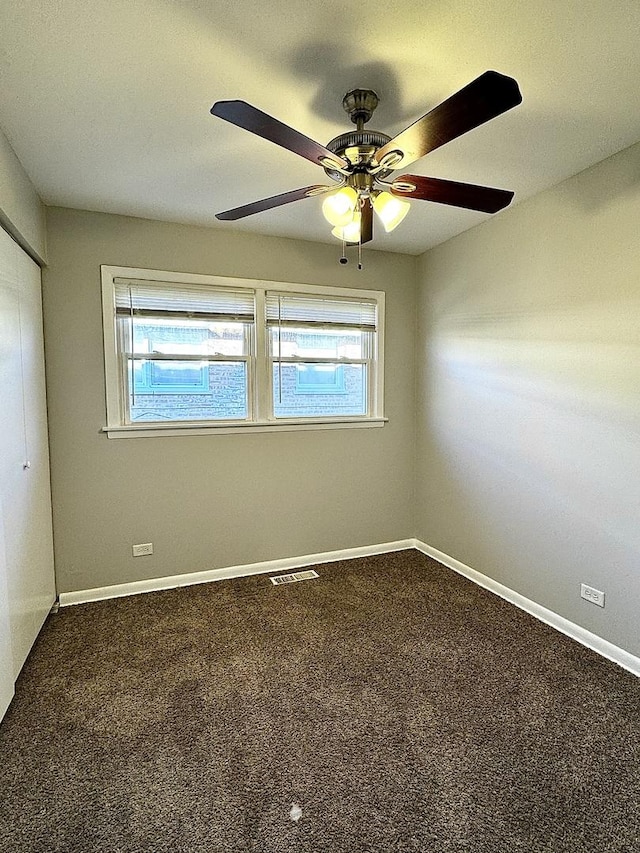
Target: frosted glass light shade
(390, 209)
(350, 233)
(338, 207)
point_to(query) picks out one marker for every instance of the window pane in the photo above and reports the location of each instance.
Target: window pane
(187, 391)
(318, 343)
(188, 337)
(332, 389)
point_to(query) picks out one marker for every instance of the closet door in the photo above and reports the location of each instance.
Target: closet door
(8, 344)
(25, 495)
(6, 654)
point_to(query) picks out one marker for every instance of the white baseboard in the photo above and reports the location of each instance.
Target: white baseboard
(155, 584)
(592, 641)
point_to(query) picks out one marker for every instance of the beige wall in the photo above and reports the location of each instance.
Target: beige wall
(22, 213)
(215, 500)
(529, 398)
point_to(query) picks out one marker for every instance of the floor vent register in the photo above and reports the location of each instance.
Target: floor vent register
(294, 577)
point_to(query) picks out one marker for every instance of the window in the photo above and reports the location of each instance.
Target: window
(183, 351)
(321, 354)
(203, 352)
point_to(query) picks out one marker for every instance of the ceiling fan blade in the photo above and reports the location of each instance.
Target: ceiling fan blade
(484, 98)
(255, 121)
(273, 201)
(471, 196)
(366, 222)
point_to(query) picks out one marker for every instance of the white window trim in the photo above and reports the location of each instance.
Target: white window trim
(116, 429)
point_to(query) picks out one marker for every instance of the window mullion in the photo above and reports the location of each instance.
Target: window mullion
(262, 405)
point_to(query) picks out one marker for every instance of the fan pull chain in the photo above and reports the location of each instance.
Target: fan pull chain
(362, 204)
(344, 259)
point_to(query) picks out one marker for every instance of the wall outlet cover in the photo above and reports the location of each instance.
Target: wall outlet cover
(589, 593)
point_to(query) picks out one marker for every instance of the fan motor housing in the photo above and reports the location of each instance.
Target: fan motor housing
(358, 147)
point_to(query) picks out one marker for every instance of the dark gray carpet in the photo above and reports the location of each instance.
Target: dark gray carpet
(401, 707)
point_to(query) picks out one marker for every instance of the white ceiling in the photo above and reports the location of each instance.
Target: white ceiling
(106, 102)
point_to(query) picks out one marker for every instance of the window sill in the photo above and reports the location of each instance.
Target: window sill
(164, 430)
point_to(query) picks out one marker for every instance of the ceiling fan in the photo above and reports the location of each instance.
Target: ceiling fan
(361, 161)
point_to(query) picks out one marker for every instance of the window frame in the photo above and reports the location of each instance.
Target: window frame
(261, 417)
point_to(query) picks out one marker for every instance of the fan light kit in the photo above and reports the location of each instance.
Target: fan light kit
(361, 161)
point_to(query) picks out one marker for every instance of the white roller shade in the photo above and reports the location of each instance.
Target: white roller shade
(293, 309)
(165, 298)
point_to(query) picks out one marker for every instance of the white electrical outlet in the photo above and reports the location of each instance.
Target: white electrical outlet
(595, 596)
(143, 550)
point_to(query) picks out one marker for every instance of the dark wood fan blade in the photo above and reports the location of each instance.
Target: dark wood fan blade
(484, 98)
(272, 201)
(471, 196)
(255, 121)
(366, 222)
